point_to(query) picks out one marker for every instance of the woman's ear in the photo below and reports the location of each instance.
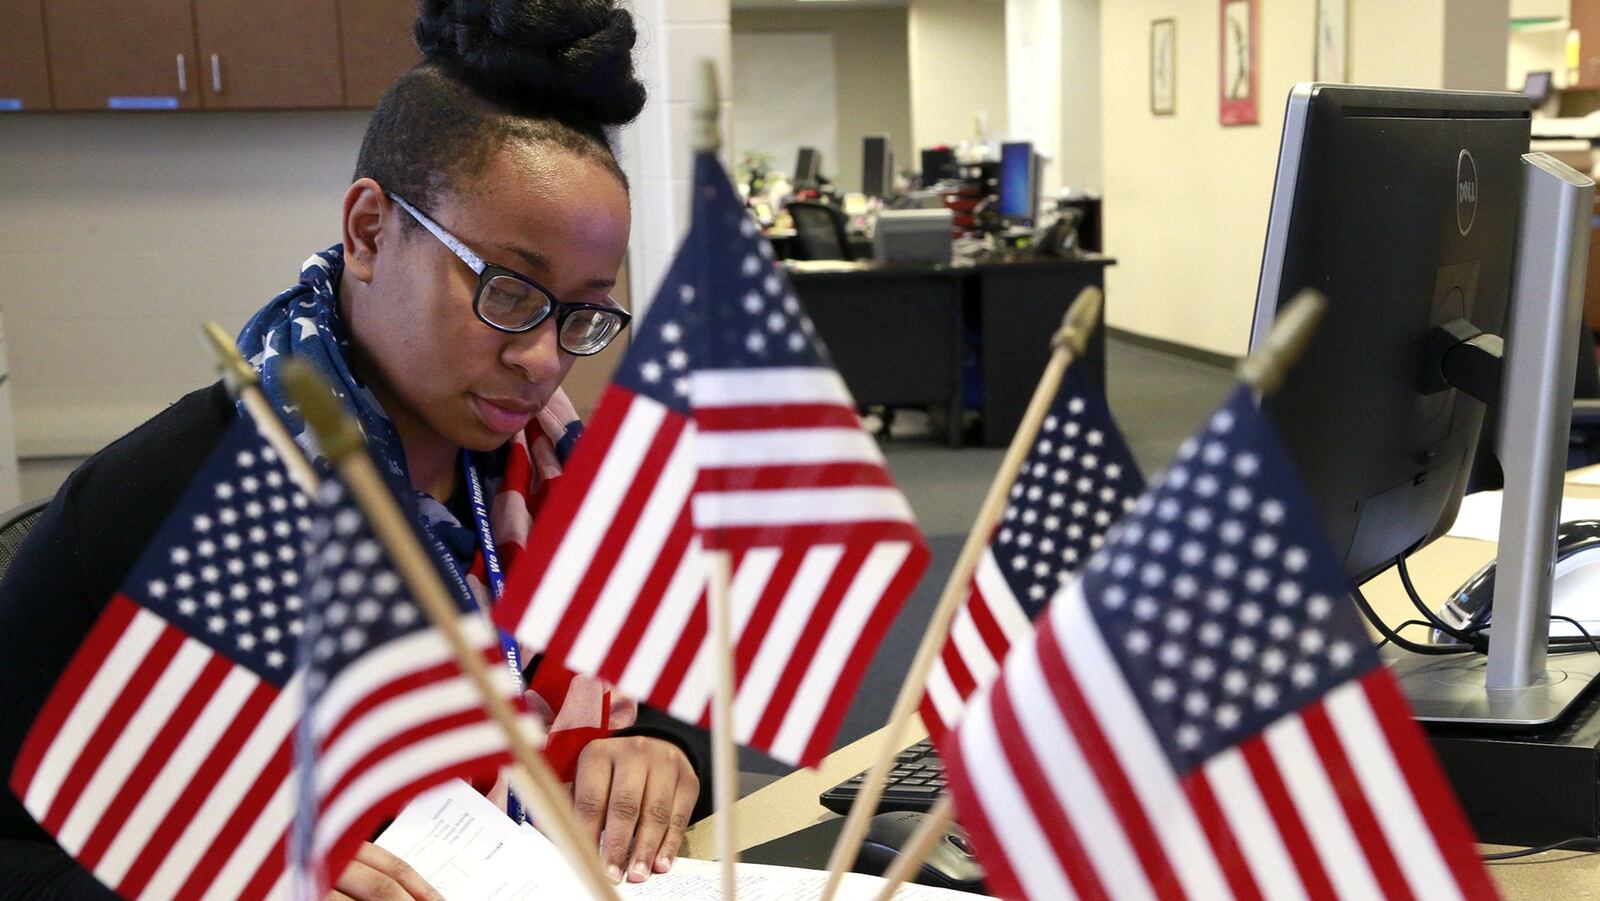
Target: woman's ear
(365, 209)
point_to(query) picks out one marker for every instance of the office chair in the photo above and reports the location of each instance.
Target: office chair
(819, 231)
(15, 524)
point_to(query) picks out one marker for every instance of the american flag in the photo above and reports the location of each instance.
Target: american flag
(1077, 480)
(389, 712)
(163, 758)
(1201, 713)
(725, 427)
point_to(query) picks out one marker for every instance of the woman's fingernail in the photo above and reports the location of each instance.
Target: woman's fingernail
(663, 863)
(613, 873)
(639, 872)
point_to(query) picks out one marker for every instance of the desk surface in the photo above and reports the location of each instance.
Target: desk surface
(790, 803)
(869, 269)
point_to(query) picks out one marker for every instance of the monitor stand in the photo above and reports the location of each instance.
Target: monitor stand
(1519, 684)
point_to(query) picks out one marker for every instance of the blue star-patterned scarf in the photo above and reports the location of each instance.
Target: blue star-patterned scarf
(304, 322)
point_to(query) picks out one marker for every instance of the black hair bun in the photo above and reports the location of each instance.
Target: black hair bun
(568, 59)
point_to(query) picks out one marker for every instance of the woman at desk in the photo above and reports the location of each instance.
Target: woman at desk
(480, 240)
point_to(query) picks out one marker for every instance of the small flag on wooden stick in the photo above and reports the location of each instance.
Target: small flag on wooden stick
(1202, 713)
(725, 428)
(1077, 480)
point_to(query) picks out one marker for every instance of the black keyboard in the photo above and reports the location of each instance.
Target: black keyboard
(915, 783)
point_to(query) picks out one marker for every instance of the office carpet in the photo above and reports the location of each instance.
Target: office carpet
(1158, 399)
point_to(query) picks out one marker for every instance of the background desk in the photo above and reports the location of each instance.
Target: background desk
(899, 334)
(790, 804)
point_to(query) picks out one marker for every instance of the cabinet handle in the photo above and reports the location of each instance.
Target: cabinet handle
(216, 74)
(183, 75)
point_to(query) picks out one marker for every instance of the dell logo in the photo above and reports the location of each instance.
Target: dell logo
(1466, 192)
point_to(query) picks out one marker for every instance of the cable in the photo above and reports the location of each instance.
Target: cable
(1391, 635)
(1579, 626)
(1585, 843)
(1475, 641)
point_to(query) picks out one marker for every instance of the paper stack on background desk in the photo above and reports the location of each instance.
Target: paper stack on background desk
(471, 851)
(1479, 518)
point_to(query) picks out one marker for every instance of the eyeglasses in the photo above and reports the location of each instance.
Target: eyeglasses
(508, 301)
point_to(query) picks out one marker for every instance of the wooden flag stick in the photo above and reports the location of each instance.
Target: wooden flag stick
(1068, 343)
(1263, 371)
(724, 753)
(922, 843)
(532, 778)
(245, 385)
(1291, 331)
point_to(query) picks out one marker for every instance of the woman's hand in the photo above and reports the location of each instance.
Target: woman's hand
(639, 791)
(377, 875)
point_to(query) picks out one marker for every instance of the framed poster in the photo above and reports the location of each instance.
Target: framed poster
(1239, 54)
(1333, 40)
(1163, 66)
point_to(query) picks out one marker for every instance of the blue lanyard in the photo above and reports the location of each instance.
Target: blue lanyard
(497, 587)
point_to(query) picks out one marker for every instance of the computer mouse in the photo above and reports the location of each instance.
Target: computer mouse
(951, 865)
(1575, 593)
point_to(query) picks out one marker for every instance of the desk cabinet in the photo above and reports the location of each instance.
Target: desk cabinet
(278, 55)
(378, 47)
(1017, 308)
(898, 335)
(895, 336)
(135, 54)
(24, 79)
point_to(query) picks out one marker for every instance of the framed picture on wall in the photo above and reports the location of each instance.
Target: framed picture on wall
(1240, 32)
(1163, 66)
(1333, 40)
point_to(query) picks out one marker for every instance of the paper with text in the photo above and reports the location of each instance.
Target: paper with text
(471, 851)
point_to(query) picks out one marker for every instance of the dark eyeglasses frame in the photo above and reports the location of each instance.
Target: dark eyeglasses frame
(487, 271)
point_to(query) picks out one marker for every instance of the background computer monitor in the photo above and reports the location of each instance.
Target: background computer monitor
(1402, 207)
(877, 166)
(1536, 87)
(937, 163)
(1019, 184)
(807, 168)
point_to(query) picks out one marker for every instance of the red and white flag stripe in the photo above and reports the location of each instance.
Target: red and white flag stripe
(773, 468)
(990, 621)
(1055, 768)
(167, 770)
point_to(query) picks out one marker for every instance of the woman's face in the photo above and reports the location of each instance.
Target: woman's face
(557, 218)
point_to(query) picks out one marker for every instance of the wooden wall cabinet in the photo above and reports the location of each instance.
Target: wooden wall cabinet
(202, 54)
(134, 54)
(378, 47)
(24, 74)
(1584, 18)
(282, 54)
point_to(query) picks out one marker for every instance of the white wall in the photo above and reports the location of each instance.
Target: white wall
(1079, 166)
(958, 69)
(1186, 199)
(871, 77)
(1033, 81)
(785, 98)
(120, 233)
(657, 150)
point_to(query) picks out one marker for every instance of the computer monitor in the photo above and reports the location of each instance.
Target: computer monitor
(1366, 209)
(1019, 184)
(808, 168)
(877, 166)
(937, 163)
(1536, 87)
(1403, 208)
